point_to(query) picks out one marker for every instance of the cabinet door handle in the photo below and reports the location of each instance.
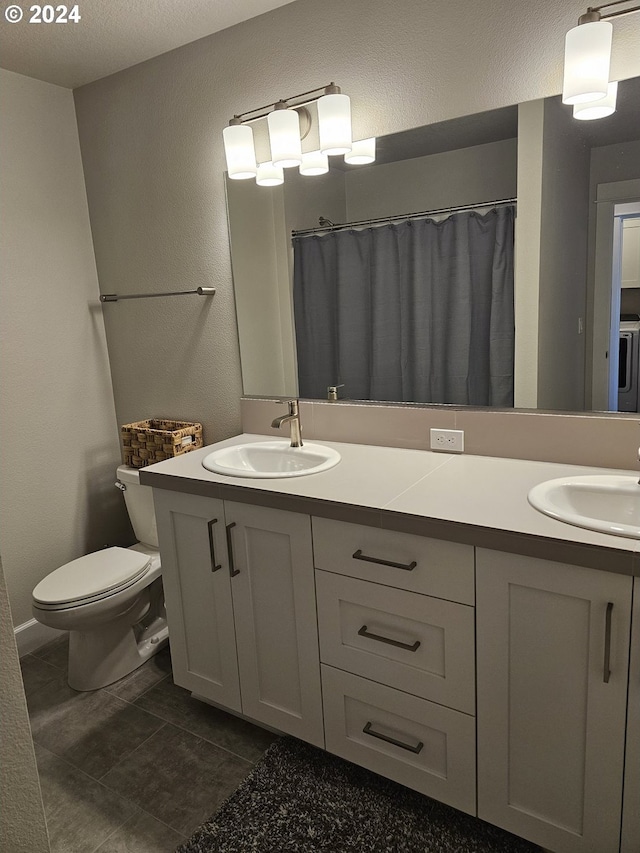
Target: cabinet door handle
(410, 647)
(408, 567)
(606, 670)
(214, 566)
(232, 569)
(367, 730)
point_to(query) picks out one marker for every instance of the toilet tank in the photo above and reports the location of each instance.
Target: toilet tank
(139, 501)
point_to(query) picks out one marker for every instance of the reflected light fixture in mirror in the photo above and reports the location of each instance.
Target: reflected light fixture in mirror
(314, 163)
(269, 175)
(286, 135)
(587, 57)
(603, 107)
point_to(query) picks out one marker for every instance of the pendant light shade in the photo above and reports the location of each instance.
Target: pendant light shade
(603, 107)
(334, 119)
(587, 57)
(362, 152)
(269, 175)
(314, 163)
(239, 151)
(284, 137)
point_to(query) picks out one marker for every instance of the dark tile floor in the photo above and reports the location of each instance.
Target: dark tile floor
(135, 767)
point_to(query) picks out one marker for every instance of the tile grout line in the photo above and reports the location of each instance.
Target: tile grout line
(129, 754)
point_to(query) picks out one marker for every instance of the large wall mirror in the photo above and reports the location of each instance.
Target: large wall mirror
(489, 260)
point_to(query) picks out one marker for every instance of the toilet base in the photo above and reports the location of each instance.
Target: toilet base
(104, 655)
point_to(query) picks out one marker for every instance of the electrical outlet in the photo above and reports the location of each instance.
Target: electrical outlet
(451, 440)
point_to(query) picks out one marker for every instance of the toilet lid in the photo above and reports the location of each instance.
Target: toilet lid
(96, 574)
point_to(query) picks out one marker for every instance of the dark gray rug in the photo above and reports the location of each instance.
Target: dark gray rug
(299, 799)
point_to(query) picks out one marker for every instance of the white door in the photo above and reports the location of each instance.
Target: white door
(195, 571)
(553, 653)
(275, 611)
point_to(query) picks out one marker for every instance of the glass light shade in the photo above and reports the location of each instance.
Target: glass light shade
(363, 152)
(587, 55)
(314, 163)
(269, 175)
(284, 138)
(239, 151)
(334, 120)
(601, 108)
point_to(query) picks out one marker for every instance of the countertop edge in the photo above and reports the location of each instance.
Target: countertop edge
(600, 557)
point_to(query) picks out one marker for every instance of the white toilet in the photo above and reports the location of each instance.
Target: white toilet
(111, 602)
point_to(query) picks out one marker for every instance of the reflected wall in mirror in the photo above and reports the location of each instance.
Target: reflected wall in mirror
(379, 313)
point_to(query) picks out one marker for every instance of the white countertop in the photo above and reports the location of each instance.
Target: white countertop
(482, 491)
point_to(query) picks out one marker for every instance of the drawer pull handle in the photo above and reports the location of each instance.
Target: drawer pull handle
(408, 567)
(410, 647)
(367, 730)
(606, 673)
(214, 566)
(232, 569)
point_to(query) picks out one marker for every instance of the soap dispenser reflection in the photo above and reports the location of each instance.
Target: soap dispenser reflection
(332, 391)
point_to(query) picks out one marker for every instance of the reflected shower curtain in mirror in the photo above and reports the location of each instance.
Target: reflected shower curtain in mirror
(416, 311)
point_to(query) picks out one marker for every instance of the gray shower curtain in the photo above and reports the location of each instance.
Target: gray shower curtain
(416, 311)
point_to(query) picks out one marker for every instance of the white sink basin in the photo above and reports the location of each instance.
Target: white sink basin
(608, 503)
(264, 459)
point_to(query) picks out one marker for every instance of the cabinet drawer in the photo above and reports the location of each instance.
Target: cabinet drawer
(420, 645)
(429, 566)
(417, 743)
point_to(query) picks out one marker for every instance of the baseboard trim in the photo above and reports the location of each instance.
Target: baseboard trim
(32, 634)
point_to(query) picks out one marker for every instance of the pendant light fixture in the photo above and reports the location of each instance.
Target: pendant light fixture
(289, 122)
(334, 121)
(603, 107)
(587, 56)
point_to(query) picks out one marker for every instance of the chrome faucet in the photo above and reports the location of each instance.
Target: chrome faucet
(293, 418)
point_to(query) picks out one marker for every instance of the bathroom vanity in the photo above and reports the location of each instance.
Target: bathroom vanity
(412, 613)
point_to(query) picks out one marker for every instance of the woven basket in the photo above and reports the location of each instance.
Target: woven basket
(147, 442)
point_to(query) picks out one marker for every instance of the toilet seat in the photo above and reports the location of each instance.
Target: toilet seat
(91, 578)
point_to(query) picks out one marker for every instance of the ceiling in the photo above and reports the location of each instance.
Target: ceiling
(114, 34)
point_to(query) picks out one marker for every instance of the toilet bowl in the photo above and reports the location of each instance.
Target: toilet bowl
(111, 602)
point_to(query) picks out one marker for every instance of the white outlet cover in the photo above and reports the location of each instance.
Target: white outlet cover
(447, 440)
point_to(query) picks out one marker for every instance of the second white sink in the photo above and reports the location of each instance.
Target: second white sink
(608, 503)
(269, 459)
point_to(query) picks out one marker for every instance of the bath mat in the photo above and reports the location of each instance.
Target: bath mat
(299, 799)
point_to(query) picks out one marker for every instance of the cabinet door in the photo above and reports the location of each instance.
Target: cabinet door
(631, 807)
(195, 571)
(553, 653)
(275, 612)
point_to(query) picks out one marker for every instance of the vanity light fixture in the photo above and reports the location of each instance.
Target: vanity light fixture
(289, 122)
(587, 56)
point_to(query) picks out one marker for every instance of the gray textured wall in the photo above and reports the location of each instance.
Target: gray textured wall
(22, 824)
(153, 156)
(60, 441)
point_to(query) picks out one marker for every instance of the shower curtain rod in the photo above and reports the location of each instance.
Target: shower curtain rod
(418, 215)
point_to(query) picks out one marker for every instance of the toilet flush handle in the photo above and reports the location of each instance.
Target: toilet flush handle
(120, 486)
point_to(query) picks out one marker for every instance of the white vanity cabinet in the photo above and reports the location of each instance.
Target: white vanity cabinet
(552, 674)
(398, 660)
(240, 599)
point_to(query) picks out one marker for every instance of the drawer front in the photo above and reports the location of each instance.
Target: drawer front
(420, 645)
(430, 566)
(417, 743)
